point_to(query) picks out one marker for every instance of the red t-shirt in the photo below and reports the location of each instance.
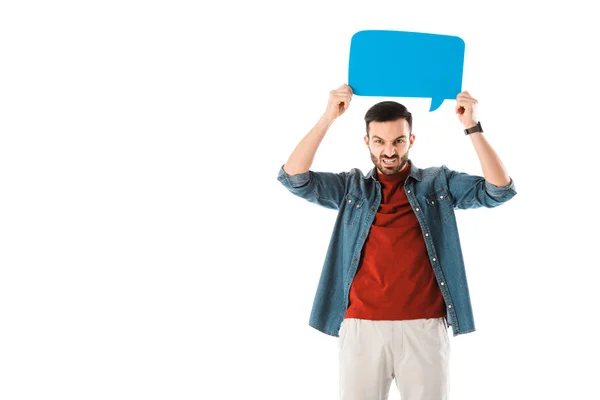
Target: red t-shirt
(395, 280)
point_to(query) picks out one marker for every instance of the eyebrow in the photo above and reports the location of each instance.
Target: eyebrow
(399, 137)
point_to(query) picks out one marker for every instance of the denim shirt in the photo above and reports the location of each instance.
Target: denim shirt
(434, 193)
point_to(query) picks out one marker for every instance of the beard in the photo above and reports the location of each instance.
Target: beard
(387, 169)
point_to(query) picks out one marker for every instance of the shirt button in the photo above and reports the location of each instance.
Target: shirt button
(349, 201)
(433, 202)
(364, 234)
(442, 283)
(450, 306)
(427, 234)
(441, 197)
(434, 259)
(417, 208)
(408, 191)
(354, 259)
(372, 208)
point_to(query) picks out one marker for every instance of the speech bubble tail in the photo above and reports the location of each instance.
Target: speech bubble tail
(435, 103)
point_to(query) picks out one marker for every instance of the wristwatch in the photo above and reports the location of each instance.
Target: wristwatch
(476, 128)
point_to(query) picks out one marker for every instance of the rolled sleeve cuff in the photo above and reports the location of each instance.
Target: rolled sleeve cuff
(500, 191)
(293, 181)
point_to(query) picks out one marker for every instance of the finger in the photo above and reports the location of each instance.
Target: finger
(342, 97)
(346, 91)
(338, 94)
(466, 101)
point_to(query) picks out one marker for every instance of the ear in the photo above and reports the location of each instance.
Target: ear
(411, 140)
(367, 140)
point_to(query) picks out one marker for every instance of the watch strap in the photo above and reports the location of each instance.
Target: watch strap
(476, 128)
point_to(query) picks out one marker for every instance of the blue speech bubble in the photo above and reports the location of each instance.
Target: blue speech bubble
(406, 64)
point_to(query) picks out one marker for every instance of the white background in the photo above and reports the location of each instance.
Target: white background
(147, 250)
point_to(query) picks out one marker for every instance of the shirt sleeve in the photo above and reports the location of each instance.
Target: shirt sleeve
(326, 189)
(472, 191)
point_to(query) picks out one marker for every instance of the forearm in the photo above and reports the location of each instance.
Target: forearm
(302, 157)
(493, 169)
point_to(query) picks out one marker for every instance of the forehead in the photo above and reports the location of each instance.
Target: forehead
(389, 129)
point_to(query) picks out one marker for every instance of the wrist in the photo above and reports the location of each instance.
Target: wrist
(470, 124)
(474, 128)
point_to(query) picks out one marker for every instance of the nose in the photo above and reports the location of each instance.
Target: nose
(389, 151)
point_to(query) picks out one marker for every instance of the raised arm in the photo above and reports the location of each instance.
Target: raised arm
(470, 191)
(303, 155)
(324, 188)
(491, 165)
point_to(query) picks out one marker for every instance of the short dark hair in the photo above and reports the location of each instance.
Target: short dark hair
(387, 111)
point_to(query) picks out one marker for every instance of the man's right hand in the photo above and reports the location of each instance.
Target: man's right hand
(339, 100)
(302, 157)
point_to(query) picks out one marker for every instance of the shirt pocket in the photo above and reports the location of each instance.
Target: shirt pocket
(352, 209)
(439, 205)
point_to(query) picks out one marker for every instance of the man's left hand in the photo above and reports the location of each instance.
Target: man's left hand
(466, 108)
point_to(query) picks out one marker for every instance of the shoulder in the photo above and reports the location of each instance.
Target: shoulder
(356, 172)
(357, 180)
(434, 171)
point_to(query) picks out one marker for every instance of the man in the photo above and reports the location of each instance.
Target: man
(394, 280)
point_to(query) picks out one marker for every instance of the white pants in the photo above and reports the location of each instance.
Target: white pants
(414, 352)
